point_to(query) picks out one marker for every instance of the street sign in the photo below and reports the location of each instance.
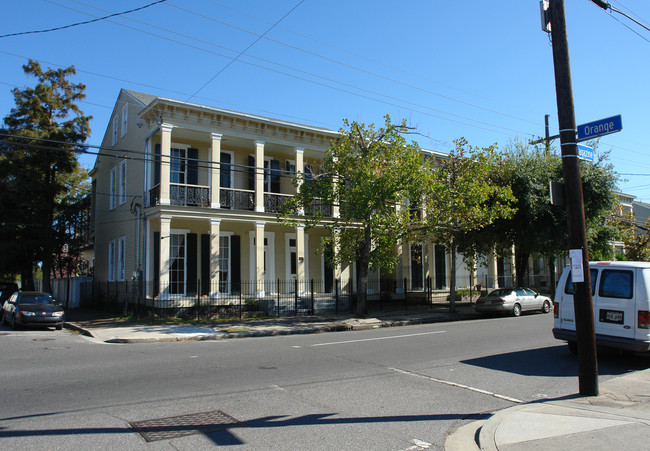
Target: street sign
(600, 127)
(585, 152)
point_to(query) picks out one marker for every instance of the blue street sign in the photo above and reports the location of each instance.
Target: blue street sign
(600, 127)
(585, 152)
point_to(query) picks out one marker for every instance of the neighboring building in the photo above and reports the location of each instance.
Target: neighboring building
(186, 197)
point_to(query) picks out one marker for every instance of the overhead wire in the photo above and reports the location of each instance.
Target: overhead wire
(98, 19)
(303, 72)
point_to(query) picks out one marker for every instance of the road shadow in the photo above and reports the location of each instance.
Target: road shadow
(224, 435)
(558, 361)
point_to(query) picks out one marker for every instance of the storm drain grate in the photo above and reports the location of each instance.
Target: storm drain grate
(182, 425)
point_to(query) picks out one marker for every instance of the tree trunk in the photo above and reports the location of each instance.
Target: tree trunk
(27, 278)
(362, 282)
(521, 266)
(48, 253)
(452, 281)
(551, 271)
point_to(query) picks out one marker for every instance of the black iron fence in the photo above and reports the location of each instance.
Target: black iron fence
(249, 299)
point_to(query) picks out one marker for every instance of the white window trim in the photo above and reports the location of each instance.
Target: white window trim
(125, 119)
(112, 189)
(269, 276)
(111, 261)
(229, 269)
(121, 259)
(169, 257)
(114, 131)
(122, 182)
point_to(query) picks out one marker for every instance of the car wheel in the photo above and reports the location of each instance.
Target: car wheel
(12, 323)
(516, 310)
(59, 326)
(546, 307)
(573, 346)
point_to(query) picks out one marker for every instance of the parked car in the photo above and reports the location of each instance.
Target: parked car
(513, 301)
(32, 308)
(6, 290)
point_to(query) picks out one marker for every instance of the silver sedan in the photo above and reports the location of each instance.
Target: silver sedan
(513, 301)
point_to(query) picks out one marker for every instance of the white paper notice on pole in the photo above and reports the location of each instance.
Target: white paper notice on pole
(577, 271)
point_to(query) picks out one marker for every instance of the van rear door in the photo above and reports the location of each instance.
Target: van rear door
(567, 312)
(615, 302)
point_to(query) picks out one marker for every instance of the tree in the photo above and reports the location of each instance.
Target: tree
(369, 174)
(38, 165)
(466, 193)
(635, 238)
(538, 227)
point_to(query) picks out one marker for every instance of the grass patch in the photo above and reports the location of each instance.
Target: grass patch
(232, 330)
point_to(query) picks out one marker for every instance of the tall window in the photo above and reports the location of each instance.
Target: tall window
(224, 264)
(177, 263)
(122, 182)
(178, 168)
(125, 118)
(225, 172)
(113, 189)
(111, 260)
(121, 258)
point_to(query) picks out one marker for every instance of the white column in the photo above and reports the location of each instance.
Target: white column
(215, 229)
(165, 231)
(215, 171)
(494, 269)
(259, 257)
(165, 163)
(300, 254)
(259, 176)
(513, 271)
(300, 165)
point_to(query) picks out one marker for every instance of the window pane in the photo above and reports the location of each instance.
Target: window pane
(616, 284)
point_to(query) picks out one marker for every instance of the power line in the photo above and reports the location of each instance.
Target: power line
(244, 51)
(82, 23)
(318, 75)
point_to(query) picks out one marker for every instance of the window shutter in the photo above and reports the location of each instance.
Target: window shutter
(191, 264)
(235, 263)
(156, 165)
(275, 176)
(205, 264)
(251, 172)
(192, 166)
(156, 264)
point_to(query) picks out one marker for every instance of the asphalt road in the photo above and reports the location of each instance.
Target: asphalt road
(385, 389)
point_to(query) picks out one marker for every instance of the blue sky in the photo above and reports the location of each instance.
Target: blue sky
(481, 70)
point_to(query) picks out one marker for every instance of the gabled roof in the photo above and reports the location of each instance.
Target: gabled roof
(145, 99)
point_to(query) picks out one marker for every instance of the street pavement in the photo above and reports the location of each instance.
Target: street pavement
(619, 418)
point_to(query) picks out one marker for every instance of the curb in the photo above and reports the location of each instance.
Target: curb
(335, 327)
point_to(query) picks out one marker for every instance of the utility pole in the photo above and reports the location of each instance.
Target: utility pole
(582, 296)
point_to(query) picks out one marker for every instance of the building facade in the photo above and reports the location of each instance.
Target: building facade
(187, 198)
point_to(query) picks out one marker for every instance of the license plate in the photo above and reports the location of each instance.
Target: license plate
(611, 316)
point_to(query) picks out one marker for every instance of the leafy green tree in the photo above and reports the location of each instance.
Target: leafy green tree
(538, 227)
(466, 193)
(369, 174)
(39, 165)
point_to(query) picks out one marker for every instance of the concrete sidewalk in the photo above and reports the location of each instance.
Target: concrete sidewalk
(617, 419)
(109, 330)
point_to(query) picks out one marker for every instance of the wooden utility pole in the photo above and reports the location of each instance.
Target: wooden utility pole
(582, 296)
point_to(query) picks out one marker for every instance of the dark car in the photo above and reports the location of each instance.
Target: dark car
(32, 308)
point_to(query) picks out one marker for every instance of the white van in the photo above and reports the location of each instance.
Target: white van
(621, 298)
